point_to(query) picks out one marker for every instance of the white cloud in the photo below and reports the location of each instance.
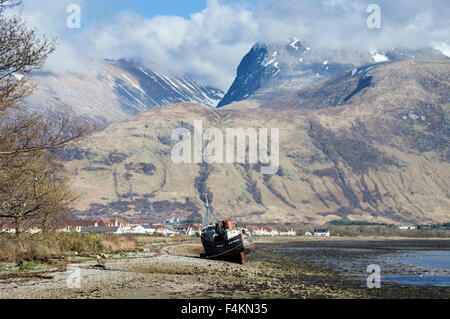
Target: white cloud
(211, 43)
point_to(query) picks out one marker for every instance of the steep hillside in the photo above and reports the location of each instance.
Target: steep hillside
(116, 90)
(372, 144)
(270, 71)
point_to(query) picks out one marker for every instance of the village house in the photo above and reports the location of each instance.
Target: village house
(135, 229)
(263, 231)
(9, 228)
(106, 225)
(321, 233)
(84, 225)
(100, 226)
(286, 231)
(271, 231)
(68, 226)
(12, 230)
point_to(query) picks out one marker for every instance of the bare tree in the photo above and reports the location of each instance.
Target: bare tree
(22, 52)
(33, 188)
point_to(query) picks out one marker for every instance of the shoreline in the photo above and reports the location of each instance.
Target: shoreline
(172, 269)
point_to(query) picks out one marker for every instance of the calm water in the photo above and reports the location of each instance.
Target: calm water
(434, 260)
(401, 262)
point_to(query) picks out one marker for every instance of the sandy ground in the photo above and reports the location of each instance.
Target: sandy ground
(174, 270)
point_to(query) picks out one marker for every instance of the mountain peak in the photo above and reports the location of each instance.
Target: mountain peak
(270, 71)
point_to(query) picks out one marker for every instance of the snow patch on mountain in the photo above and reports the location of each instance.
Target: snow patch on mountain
(117, 89)
(378, 57)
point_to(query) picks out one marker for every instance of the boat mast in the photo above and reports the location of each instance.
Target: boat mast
(209, 214)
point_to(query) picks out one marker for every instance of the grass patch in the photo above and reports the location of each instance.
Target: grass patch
(37, 248)
(28, 266)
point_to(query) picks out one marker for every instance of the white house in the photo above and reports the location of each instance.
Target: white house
(407, 227)
(73, 225)
(136, 229)
(321, 233)
(12, 230)
(263, 231)
(285, 231)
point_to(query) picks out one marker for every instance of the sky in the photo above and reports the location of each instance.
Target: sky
(208, 38)
(104, 9)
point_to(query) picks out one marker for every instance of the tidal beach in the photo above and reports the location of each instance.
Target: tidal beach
(279, 268)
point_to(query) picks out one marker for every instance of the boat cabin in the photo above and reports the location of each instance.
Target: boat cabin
(228, 224)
